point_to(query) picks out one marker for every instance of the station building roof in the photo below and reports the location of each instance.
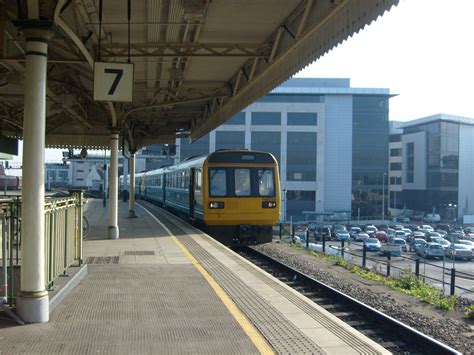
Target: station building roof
(196, 62)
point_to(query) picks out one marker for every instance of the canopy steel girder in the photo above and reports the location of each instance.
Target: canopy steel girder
(195, 66)
(116, 50)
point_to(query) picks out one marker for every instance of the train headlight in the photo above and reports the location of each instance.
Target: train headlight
(216, 205)
(269, 204)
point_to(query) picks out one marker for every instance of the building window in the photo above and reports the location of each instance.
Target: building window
(80, 171)
(395, 138)
(395, 180)
(396, 166)
(302, 118)
(396, 152)
(266, 118)
(267, 142)
(198, 147)
(410, 162)
(299, 201)
(227, 140)
(238, 119)
(302, 98)
(301, 156)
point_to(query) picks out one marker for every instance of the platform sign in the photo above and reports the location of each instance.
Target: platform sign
(113, 82)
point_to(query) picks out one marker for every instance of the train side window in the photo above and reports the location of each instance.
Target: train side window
(265, 182)
(198, 182)
(242, 182)
(217, 181)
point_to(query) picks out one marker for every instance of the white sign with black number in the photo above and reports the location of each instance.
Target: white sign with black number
(113, 82)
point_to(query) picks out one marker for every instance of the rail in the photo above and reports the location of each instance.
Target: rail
(63, 241)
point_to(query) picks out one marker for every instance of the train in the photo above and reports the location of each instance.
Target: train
(9, 182)
(234, 195)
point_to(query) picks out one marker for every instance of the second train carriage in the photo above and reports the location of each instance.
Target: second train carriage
(235, 194)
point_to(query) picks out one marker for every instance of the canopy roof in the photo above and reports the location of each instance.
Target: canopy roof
(196, 62)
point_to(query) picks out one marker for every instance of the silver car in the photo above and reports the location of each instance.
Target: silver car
(459, 251)
(431, 250)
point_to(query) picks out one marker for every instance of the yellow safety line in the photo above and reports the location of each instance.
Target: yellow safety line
(246, 325)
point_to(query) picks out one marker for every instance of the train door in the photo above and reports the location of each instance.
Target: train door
(191, 192)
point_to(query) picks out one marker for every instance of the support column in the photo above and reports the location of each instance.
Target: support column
(131, 191)
(113, 187)
(33, 299)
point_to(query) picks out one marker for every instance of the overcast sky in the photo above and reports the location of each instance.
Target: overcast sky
(422, 50)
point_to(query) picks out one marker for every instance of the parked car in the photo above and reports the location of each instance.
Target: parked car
(419, 234)
(417, 243)
(372, 244)
(459, 251)
(468, 243)
(444, 243)
(381, 236)
(431, 250)
(400, 234)
(370, 229)
(454, 237)
(432, 235)
(432, 217)
(342, 235)
(401, 242)
(337, 228)
(354, 231)
(362, 237)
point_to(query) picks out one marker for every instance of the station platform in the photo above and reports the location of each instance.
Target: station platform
(166, 287)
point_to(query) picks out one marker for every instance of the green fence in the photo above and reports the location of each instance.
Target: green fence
(63, 240)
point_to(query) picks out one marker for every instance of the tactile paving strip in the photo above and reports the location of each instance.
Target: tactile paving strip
(139, 252)
(266, 318)
(356, 343)
(102, 260)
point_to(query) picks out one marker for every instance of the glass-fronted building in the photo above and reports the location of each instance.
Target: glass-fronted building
(437, 165)
(330, 140)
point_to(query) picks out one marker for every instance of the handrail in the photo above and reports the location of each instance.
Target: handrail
(63, 238)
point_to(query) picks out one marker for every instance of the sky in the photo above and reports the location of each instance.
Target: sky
(422, 50)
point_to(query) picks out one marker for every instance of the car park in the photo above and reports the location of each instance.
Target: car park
(370, 229)
(417, 243)
(431, 250)
(342, 235)
(468, 243)
(454, 237)
(372, 244)
(444, 243)
(354, 231)
(400, 234)
(381, 236)
(362, 237)
(459, 251)
(401, 242)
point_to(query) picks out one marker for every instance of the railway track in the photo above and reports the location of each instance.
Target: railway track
(386, 331)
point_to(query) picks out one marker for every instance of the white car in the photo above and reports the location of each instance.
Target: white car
(361, 237)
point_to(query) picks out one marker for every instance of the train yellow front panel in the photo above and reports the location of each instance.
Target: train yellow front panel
(238, 211)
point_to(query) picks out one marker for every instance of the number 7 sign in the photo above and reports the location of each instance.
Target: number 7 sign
(113, 82)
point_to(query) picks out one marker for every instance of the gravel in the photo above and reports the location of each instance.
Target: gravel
(452, 329)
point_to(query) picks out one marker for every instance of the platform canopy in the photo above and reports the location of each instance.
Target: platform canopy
(196, 62)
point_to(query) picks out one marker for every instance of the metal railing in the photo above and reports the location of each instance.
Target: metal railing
(63, 241)
(441, 276)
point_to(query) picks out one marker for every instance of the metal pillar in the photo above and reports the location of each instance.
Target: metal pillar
(131, 191)
(33, 300)
(113, 187)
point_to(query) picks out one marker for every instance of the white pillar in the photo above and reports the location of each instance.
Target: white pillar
(113, 187)
(33, 300)
(131, 191)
